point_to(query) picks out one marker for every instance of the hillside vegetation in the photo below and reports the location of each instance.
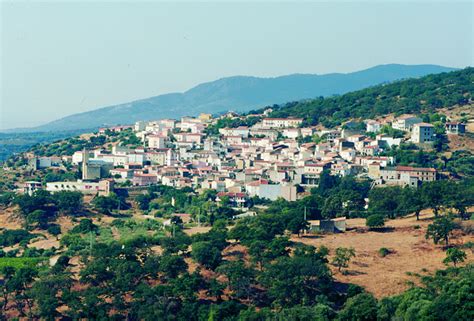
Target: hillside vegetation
(425, 94)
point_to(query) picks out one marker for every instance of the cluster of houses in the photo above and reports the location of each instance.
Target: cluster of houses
(276, 157)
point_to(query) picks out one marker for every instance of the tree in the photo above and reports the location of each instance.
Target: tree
(343, 257)
(176, 220)
(40, 200)
(417, 203)
(239, 277)
(18, 286)
(85, 226)
(12, 237)
(375, 221)
(68, 201)
(332, 207)
(172, 265)
(434, 194)
(105, 204)
(455, 256)
(460, 197)
(143, 201)
(293, 280)
(326, 182)
(39, 218)
(225, 200)
(440, 229)
(297, 223)
(54, 229)
(46, 294)
(207, 254)
(385, 201)
(179, 243)
(216, 289)
(361, 307)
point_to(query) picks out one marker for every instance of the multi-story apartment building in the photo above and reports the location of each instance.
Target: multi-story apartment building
(422, 133)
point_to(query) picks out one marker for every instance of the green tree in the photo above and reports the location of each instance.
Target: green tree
(342, 257)
(68, 201)
(293, 280)
(172, 265)
(85, 226)
(240, 278)
(455, 256)
(216, 289)
(434, 194)
(297, 224)
(361, 307)
(54, 229)
(440, 229)
(206, 253)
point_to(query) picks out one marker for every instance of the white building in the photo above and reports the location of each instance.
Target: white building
(406, 122)
(282, 122)
(103, 187)
(373, 126)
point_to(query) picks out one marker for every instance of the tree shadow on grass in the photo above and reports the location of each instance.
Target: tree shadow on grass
(353, 272)
(386, 229)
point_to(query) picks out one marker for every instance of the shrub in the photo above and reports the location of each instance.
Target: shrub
(54, 229)
(383, 251)
(375, 221)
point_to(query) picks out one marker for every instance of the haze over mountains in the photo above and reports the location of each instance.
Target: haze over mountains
(239, 93)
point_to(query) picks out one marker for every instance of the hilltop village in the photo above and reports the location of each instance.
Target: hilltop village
(270, 159)
(338, 208)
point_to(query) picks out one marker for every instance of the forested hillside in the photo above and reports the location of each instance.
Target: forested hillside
(408, 96)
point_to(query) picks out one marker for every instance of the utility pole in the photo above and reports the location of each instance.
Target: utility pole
(305, 219)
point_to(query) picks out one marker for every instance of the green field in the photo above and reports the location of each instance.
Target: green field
(20, 262)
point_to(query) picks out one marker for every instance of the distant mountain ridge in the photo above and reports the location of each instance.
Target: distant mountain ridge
(238, 93)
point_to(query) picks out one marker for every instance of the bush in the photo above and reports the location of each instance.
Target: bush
(54, 229)
(375, 221)
(383, 251)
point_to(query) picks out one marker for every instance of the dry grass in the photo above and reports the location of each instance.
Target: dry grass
(385, 276)
(197, 229)
(460, 142)
(10, 219)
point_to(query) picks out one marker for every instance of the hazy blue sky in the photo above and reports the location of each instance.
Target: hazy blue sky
(62, 58)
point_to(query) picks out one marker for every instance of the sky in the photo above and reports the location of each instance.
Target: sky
(63, 57)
